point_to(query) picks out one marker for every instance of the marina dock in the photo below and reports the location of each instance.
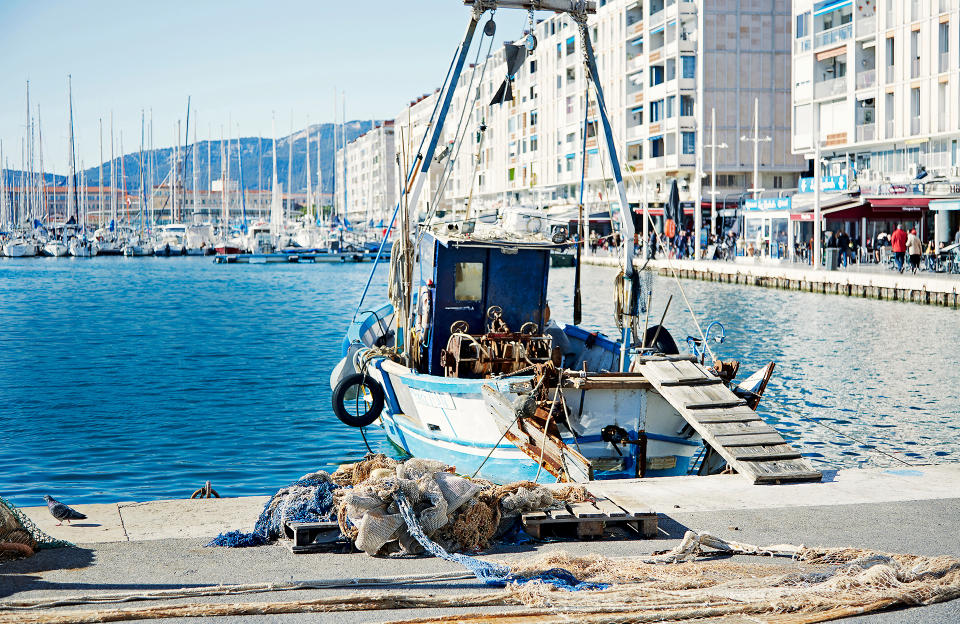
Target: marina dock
(310, 257)
(924, 288)
(910, 510)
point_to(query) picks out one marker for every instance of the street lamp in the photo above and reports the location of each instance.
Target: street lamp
(713, 169)
(756, 139)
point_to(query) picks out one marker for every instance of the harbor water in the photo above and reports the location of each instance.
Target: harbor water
(128, 379)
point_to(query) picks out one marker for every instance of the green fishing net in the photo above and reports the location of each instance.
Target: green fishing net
(19, 536)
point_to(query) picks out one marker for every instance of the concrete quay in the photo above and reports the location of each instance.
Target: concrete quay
(131, 547)
(924, 288)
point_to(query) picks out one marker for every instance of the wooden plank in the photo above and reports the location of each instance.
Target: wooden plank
(693, 381)
(739, 428)
(765, 453)
(707, 417)
(534, 516)
(753, 439)
(716, 405)
(606, 506)
(558, 514)
(584, 510)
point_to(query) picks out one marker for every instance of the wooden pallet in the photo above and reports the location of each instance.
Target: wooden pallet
(311, 536)
(727, 423)
(589, 519)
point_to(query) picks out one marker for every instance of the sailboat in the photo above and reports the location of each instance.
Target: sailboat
(464, 363)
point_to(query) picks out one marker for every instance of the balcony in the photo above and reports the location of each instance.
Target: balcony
(915, 125)
(866, 79)
(944, 62)
(889, 133)
(833, 36)
(866, 26)
(634, 29)
(891, 74)
(802, 45)
(866, 132)
(656, 18)
(915, 68)
(635, 64)
(829, 88)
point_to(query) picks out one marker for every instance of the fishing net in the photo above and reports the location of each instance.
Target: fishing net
(463, 515)
(19, 536)
(309, 499)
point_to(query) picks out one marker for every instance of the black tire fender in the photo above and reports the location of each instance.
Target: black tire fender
(376, 400)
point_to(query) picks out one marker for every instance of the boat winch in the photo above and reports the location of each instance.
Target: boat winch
(497, 352)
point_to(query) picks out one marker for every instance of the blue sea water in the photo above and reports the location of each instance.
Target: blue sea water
(140, 378)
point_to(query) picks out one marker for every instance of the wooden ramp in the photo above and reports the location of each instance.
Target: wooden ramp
(725, 421)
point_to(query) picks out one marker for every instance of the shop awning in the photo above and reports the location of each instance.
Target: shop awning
(944, 204)
(899, 202)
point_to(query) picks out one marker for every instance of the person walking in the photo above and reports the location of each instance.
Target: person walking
(843, 245)
(931, 254)
(898, 243)
(914, 250)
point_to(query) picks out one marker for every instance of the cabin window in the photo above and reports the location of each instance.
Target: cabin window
(468, 282)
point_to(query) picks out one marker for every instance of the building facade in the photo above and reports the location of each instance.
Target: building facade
(878, 85)
(369, 192)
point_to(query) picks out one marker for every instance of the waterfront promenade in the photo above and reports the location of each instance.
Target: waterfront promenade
(868, 281)
(159, 545)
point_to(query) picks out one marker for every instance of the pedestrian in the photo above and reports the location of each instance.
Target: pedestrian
(914, 250)
(931, 256)
(843, 244)
(898, 242)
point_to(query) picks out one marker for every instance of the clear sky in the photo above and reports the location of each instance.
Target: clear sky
(238, 59)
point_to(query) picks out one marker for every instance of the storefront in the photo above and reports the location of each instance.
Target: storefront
(766, 228)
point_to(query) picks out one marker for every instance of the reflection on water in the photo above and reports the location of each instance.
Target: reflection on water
(139, 379)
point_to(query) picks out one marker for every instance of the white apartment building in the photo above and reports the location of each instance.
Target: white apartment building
(666, 65)
(411, 125)
(369, 163)
(878, 84)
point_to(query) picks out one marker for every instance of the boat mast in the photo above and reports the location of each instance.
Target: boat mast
(143, 179)
(226, 181)
(100, 180)
(123, 181)
(3, 189)
(113, 195)
(71, 183)
(308, 172)
(276, 210)
(152, 163)
(182, 162)
(193, 165)
(28, 162)
(243, 194)
(209, 165)
(288, 207)
(41, 178)
(259, 177)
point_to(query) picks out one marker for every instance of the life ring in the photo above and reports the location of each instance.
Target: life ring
(356, 383)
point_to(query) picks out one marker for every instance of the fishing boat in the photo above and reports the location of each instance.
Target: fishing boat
(462, 362)
(171, 240)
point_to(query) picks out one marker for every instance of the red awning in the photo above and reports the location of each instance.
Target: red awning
(898, 203)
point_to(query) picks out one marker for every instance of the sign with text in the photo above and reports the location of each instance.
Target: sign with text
(828, 184)
(768, 203)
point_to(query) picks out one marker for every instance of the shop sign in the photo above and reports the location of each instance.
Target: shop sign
(768, 203)
(828, 184)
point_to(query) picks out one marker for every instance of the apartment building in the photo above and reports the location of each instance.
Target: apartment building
(369, 164)
(877, 83)
(666, 65)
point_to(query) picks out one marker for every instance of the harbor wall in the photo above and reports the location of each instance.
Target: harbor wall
(929, 290)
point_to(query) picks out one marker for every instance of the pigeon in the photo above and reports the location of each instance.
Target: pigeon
(61, 512)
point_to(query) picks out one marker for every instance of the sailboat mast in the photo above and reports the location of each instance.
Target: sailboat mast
(143, 188)
(288, 206)
(71, 183)
(276, 210)
(185, 153)
(113, 195)
(28, 161)
(41, 179)
(3, 189)
(225, 179)
(123, 181)
(193, 165)
(152, 162)
(100, 180)
(243, 194)
(308, 172)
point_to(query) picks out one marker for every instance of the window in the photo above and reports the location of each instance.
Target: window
(533, 118)
(778, 181)
(511, 174)
(689, 142)
(803, 25)
(571, 45)
(671, 69)
(468, 281)
(671, 108)
(656, 147)
(533, 143)
(635, 152)
(559, 51)
(571, 74)
(559, 82)
(656, 75)
(570, 105)
(656, 111)
(686, 106)
(533, 67)
(689, 66)
(570, 160)
(636, 116)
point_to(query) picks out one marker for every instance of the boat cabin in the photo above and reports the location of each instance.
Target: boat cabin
(480, 289)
